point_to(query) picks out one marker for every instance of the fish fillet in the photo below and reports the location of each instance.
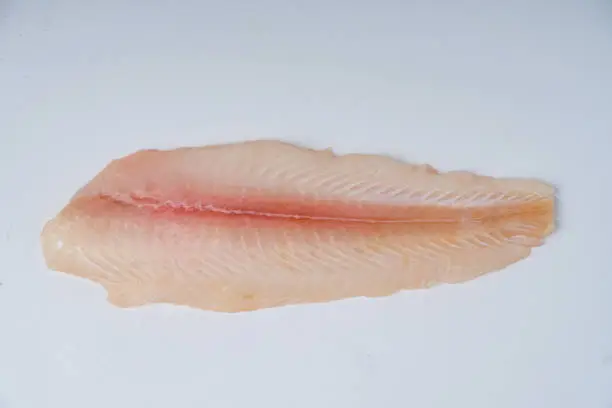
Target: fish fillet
(260, 224)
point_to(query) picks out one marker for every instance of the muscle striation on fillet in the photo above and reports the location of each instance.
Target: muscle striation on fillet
(261, 224)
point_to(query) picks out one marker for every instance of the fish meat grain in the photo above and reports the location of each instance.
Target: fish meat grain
(260, 224)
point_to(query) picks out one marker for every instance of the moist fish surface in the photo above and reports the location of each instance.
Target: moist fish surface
(259, 224)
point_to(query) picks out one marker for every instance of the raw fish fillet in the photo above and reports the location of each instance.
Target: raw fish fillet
(260, 224)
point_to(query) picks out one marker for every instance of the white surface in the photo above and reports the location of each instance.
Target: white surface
(523, 89)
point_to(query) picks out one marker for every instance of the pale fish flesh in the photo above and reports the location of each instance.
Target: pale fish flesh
(260, 224)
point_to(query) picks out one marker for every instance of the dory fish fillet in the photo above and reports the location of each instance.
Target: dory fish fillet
(261, 224)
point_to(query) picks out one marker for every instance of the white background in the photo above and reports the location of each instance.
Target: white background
(517, 88)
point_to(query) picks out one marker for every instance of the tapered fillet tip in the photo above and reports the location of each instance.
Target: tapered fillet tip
(52, 243)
